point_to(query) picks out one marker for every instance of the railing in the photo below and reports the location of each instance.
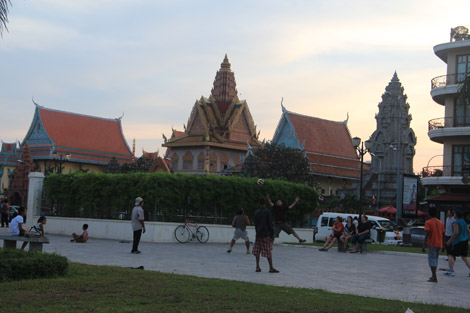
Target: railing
(459, 33)
(438, 171)
(449, 122)
(446, 80)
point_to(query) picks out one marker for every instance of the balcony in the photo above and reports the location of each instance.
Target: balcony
(444, 175)
(459, 43)
(440, 129)
(444, 85)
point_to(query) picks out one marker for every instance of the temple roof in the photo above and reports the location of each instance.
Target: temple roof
(9, 154)
(89, 139)
(222, 120)
(327, 144)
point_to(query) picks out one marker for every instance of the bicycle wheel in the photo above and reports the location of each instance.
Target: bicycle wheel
(182, 234)
(202, 234)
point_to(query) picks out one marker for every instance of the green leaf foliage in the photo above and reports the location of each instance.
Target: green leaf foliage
(19, 264)
(171, 197)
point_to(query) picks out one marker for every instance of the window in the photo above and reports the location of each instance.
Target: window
(213, 162)
(188, 160)
(201, 161)
(463, 67)
(174, 161)
(224, 161)
(462, 113)
(324, 221)
(460, 160)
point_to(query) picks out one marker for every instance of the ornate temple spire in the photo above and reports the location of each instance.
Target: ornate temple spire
(225, 87)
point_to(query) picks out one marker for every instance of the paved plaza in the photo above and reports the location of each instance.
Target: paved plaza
(390, 275)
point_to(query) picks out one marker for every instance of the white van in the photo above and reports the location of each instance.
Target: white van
(326, 220)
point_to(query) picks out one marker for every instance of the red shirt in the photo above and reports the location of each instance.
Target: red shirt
(338, 225)
(435, 230)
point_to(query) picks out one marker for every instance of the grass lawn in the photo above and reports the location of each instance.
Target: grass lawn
(375, 247)
(88, 288)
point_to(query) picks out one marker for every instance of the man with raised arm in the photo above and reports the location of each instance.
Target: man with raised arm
(279, 211)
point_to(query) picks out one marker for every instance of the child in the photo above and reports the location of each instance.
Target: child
(37, 231)
(83, 237)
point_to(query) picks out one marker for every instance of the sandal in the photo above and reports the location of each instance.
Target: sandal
(258, 270)
(430, 280)
(302, 240)
(274, 271)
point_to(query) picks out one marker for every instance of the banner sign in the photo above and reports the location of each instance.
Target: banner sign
(410, 196)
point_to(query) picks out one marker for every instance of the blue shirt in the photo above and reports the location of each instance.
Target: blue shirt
(463, 235)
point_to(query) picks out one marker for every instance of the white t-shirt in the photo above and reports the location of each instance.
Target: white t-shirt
(137, 216)
(449, 227)
(14, 225)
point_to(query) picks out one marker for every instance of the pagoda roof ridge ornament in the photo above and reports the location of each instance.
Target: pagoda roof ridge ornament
(225, 65)
(32, 98)
(284, 110)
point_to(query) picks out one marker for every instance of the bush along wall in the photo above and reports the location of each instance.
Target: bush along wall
(19, 264)
(171, 197)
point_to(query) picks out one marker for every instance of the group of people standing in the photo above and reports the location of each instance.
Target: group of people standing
(268, 225)
(454, 239)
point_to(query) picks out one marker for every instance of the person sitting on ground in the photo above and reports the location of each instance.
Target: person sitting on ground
(239, 223)
(362, 233)
(83, 237)
(16, 226)
(336, 232)
(349, 231)
(279, 210)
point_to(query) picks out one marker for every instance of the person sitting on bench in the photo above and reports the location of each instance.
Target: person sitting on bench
(16, 226)
(336, 232)
(349, 231)
(362, 233)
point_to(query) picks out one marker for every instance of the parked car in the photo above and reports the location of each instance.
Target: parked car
(327, 219)
(417, 236)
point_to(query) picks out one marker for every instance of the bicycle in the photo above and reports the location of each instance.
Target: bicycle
(185, 232)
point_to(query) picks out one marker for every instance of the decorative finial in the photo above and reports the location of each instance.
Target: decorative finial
(119, 118)
(225, 66)
(34, 101)
(347, 119)
(282, 105)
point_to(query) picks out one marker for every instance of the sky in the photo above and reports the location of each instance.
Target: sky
(151, 61)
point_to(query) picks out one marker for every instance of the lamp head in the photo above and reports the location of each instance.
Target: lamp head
(356, 141)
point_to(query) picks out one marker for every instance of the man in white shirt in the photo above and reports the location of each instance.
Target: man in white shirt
(16, 225)
(138, 225)
(449, 228)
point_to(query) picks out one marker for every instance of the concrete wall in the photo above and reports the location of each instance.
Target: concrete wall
(156, 231)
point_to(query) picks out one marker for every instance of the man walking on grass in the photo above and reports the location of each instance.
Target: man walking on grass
(264, 236)
(138, 225)
(434, 240)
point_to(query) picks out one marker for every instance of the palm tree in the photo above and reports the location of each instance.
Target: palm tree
(4, 15)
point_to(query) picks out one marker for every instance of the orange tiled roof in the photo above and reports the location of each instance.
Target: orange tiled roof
(323, 136)
(88, 138)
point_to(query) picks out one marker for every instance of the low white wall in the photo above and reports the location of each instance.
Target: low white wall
(155, 231)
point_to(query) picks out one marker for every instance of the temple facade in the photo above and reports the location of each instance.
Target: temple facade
(218, 132)
(328, 147)
(9, 155)
(392, 145)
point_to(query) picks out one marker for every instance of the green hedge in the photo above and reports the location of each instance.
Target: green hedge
(171, 197)
(18, 264)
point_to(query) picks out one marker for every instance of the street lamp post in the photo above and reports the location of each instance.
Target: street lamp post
(380, 171)
(60, 159)
(361, 151)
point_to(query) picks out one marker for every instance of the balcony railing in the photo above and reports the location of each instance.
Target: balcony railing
(446, 80)
(449, 122)
(438, 171)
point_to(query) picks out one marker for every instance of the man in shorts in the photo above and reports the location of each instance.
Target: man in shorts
(459, 243)
(239, 223)
(279, 211)
(264, 236)
(434, 229)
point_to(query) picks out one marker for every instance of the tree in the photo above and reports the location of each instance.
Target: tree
(279, 162)
(4, 15)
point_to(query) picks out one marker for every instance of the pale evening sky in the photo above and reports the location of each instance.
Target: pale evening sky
(153, 59)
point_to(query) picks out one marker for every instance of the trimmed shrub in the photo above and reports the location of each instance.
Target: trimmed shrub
(172, 197)
(18, 264)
